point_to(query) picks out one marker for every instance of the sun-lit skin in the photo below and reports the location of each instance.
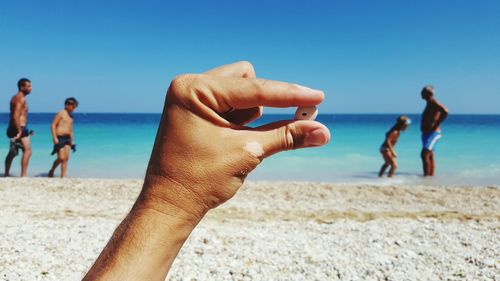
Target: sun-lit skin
(432, 117)
(19, 119)
(202, 154)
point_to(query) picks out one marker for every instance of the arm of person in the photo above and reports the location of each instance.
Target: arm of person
(201, 156)
(72, 136)
(442, 116)
(145, 244)
(17, 111)
(390, 140)
(53, 127)
(72, 140)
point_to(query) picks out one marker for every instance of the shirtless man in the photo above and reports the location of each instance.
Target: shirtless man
(62, 135)
(17, 131)
(434, 113)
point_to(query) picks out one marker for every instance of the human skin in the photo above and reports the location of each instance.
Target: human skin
(62, 125)
(202, 154)
(390, 155)
(18, 119)
(432, 117)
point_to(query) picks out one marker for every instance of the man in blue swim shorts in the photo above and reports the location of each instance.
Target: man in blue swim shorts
(432, 117)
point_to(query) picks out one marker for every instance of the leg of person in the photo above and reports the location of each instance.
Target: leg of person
(426, 161)
(26, 155)
(423, 154)
(8, 160)
(386, 163)
(55, 164)
(64, 160)
(382, 169)
(394, 165)
(431, 163)
(436, 137)
(428, 141)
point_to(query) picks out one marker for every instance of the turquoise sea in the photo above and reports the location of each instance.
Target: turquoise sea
(119, 145)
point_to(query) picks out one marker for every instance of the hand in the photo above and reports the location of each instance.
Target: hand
(393, 153)
(202, 154)
(56, 141)
(18, 136)
(203, 150)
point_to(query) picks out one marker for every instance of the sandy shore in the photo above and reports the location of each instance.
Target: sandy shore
(54, 230)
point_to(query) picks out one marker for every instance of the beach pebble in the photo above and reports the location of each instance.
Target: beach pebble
(306, 113)
(54, 230)
(489, 262)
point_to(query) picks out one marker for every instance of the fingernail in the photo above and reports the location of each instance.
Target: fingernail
(317, 137)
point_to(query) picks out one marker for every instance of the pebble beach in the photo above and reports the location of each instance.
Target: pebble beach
(53, 229)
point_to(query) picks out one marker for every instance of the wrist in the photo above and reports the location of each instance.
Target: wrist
(164, 195)
(146, 236)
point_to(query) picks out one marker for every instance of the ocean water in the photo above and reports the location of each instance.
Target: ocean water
(119, 146)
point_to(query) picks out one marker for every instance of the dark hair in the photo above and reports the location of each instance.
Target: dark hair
(71, 100)
(22, 82)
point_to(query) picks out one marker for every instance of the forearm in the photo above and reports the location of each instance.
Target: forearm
(390, 148)
(54, 132)
(443, 116)
(439, 121)
(72, 138)
(151, 235)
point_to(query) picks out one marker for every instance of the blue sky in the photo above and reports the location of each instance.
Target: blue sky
(368, 56)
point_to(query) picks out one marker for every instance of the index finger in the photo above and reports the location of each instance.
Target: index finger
(242, 69)
(241, 93)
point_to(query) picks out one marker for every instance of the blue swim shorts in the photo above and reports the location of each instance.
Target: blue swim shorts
(429, 139)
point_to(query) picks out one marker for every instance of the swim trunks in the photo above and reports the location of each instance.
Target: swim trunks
(63, 141)
(429, 139)
(14, 146)
(12, 131)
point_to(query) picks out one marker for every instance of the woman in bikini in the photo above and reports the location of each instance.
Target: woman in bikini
(387, 148)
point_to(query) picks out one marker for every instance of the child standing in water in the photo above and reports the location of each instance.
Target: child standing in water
(62, 135)
(387, 148)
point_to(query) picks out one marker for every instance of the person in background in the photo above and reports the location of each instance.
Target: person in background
(18, 131)
(432, 117)
(62, 136)
(387, 147)
(202, 154)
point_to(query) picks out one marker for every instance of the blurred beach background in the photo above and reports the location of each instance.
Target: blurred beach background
(312, 214)
(370, 59)
(119, 145)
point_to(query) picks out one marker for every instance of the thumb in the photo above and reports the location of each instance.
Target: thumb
(286, 135)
